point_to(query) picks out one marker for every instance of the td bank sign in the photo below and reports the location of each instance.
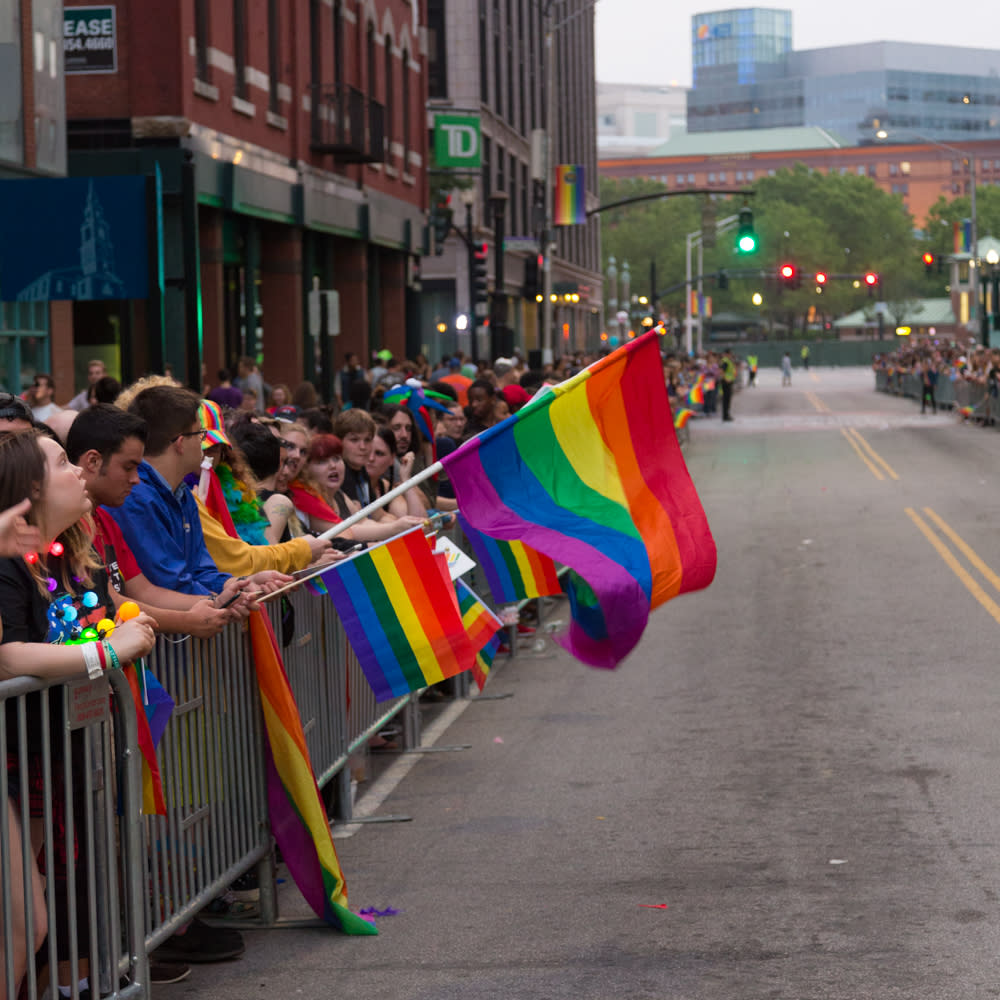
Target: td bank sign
(458, 142)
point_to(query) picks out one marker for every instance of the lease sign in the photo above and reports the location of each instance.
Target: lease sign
(90, 40)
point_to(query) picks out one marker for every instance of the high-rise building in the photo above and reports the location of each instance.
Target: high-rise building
(488, 58)
(635, 118)
(747, 76)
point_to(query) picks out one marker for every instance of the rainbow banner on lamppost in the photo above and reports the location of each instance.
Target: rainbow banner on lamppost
(570, 203)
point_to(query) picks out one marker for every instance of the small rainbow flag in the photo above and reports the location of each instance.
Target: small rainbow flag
(484, 661)
(583, 474)
(400, 615)
(682, 417)
(570, 203)
(480, 623)
(152, 714)
(696, 395)
(514, 571)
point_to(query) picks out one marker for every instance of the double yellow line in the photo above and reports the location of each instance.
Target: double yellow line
(875, 462)
(952, 561)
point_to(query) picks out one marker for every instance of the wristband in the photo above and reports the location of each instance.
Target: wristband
(102, 654)
(115, 662)
(92, 659)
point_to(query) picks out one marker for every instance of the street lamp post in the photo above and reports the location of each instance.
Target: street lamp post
(498, 310)
(468, 198)
(974, 227)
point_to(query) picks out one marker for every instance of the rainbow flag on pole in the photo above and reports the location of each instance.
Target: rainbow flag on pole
(484, 661)
(400, 615)
(298, 819)
(570, 201)
(480, 623)
(584, 474)
(152, 713)
(514, 571)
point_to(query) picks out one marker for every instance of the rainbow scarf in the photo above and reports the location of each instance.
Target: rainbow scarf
(298, 819)
(400, 614)
(583, 473)
(514, 571)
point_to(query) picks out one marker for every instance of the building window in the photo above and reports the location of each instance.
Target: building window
(390, 96)
(405, 95)
(862, 170)
(372, 71)
(273, 56)
(722, 177)
(201, 39)
(437, 50)
(680, 180)
(711, 178)
(904, 168)
(749, 175)
(690, 178)
(240, 47)
(739, 176)
(893, 170)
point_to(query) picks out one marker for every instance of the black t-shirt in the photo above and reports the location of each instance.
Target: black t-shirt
(29, 617)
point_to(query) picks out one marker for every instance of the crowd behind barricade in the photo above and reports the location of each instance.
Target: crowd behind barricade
(703, 384)
(123, 495)
(964, 377)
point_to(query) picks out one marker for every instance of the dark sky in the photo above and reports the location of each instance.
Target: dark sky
(649, 41)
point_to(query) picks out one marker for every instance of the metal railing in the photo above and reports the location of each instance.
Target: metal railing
(347, 123)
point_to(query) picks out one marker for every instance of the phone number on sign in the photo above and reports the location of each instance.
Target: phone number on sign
(87, 44)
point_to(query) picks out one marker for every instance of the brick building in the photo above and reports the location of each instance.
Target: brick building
(34, 336)
(286, 135)
(918, 172)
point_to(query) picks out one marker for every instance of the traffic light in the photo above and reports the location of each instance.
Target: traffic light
(722, 281)
(871, 281)
(788, 276)
(532, 267)
(441, 215)
(746, 236)
(821, 278)
(928, 259)
(480, 279)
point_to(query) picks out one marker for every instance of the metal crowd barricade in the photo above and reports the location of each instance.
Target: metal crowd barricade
(214, 779)
(957, 393)
(72, 759)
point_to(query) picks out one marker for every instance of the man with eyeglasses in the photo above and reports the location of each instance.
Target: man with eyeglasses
(160, 518)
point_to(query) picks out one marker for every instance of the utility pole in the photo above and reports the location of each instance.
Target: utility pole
(548, 245)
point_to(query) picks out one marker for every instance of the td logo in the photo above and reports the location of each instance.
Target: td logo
(457, 141)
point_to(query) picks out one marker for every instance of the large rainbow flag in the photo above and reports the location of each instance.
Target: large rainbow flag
(298, 819)
(514, 571)
(584, 474)
(400, 614)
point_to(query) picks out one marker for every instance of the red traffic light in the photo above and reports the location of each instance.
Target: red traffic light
(928, 259)
(821, 277)
(871, 279)
(787, 271)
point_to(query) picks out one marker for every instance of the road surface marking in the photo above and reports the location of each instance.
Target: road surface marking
(964, 548)
(857, 435)
(875, 471)
(955, 566)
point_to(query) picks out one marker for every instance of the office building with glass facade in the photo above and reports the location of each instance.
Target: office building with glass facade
(746, 76)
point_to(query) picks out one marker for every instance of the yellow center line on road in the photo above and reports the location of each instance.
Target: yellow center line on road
(814, 376)
(817, 403)
(992, 608)
(856, 434)
(875, 471)
(964, 548)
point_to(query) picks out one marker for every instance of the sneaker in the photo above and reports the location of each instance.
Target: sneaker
(246, 888)
(162, 973)
(202, 943)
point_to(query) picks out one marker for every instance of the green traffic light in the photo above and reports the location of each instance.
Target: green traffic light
(747, 243)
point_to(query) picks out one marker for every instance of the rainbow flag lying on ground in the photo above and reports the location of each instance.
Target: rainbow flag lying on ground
(152, 713)
(584, 475)
(298, 819)
(400, 615)
(514, 571)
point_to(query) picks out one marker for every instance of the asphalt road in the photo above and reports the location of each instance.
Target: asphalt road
(801, 762)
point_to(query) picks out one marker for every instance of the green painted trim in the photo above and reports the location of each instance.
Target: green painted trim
(266, 213)
(212, 200)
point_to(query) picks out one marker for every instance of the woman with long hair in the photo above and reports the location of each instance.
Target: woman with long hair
(47, 598)
(324, 475)
(380, 462)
